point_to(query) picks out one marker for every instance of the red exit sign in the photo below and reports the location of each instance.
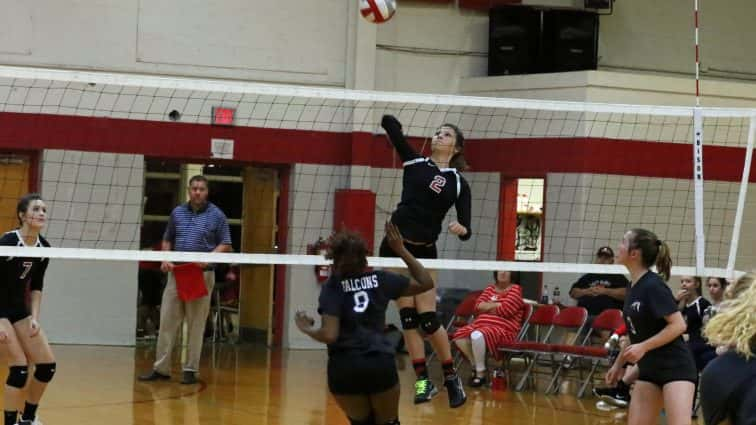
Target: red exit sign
(223, 116)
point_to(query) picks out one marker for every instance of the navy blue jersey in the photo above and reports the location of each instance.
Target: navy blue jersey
(596, 304)
(647, 303)
(728, 389)
(428, 192)
(360, 303)
(693, 314)
(18, 273)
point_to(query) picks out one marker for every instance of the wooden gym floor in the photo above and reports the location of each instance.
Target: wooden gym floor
(253, 385)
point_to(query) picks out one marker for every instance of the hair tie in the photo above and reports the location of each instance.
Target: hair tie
(658, 242)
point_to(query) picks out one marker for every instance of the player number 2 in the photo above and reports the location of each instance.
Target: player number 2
(437, 184)
(361, 301)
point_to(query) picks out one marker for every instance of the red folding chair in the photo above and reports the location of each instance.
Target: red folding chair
(608, 320)
(526, 314)
(464, 312)
(543, 322)
(569, 320)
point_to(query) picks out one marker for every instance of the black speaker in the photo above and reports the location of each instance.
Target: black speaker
(570, 40)
(598, 4)
(514, 40)
(526, 40)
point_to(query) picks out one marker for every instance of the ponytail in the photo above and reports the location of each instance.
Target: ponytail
(458, 161)
(654, 251)
(664, 262)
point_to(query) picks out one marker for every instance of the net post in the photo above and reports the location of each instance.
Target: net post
(698, 189)
(741, 200)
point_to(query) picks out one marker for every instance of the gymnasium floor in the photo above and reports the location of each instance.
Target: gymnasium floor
(253, 385)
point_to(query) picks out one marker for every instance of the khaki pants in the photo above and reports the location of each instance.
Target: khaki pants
(172, 312)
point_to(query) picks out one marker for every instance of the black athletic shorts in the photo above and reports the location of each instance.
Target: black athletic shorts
(361, 374)
(419, 251)
(14, 315)
(662, 376)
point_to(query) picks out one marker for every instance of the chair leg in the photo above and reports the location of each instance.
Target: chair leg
(505, 365)
(554, 380)
(521, 384)
(581, 391)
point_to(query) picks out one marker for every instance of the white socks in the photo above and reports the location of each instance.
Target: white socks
(479, 350)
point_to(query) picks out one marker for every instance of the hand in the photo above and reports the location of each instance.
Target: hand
(33, 328)
(634, 352)
(613, 375)
(598, 290)
(390, 121)
(3, 336)
(203, 266)
(303, 321)
(457, 229)
(490, 307)
(166, 266)
(394, 238)
(682, 293)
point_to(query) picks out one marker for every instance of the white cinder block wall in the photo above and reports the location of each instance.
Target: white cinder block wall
(94, 201)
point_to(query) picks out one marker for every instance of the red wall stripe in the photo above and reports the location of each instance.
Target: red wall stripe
(535, 156)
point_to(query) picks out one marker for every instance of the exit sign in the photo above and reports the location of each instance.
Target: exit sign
(223, 116)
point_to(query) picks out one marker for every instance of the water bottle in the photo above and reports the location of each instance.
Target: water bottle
(545, 295)
(498, 380)
(557, 299)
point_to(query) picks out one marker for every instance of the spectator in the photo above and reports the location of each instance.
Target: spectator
(599, 292)
(500, 308)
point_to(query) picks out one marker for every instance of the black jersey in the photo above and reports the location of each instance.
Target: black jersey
(693, 314)
(18, 273)
(596, 304)
(728, 389)
(427, 193)
(360, 304)
(647, 303)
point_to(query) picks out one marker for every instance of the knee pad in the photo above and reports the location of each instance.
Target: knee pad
(409, 317)
(43, 372)
(476, 335)
(17, 376)
(429, 322)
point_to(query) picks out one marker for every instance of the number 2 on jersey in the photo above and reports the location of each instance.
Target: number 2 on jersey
(361, 301)
(437, 184)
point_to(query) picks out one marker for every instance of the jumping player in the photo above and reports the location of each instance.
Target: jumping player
(430, 186)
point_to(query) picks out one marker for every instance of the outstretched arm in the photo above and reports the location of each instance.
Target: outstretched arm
(394, 131)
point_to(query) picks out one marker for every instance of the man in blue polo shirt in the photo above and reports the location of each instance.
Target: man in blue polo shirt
(197, 226)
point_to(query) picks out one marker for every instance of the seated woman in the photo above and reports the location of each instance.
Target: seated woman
(500, 308)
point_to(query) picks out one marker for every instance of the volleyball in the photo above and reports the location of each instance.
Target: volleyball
(377, 11)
